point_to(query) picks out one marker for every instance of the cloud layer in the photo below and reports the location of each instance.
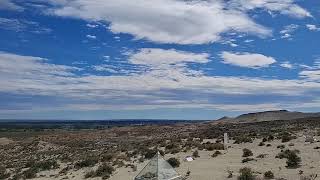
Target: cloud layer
(178, 85)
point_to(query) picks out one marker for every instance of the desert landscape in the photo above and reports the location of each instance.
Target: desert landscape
(261, 146)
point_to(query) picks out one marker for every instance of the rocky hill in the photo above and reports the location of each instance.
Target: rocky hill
(268, 116)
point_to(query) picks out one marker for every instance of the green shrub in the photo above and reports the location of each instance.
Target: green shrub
(30, 173)
(247, 160)
(270, 138)
(174, 162)
(3, 173)
(282, 146)
(46, 165)
(171, 146)
(286, 137)
(88, 162)
(268, 175)
(230, 174)
(150, 153)
(247, 152)
(246, 174)
(35, 167)
(261, 156)
(107, 157)
(195, 154)
(104, 169)
(242, 139)
(214, 146)
(215, 154)
(285, 154)
(293, 160)
(261, 144)
(90, 174)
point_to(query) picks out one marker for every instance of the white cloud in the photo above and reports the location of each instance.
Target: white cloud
(91, 36)
(285, 7)
(8, 5)
(313, 27)
(287, 65)
(168, 63)
(248, 60)
(164, 21)
(248, 40)
(92, 25)
(311, 72)
(20, 25)
(156, 57)
(28, 75)
(287, 31)
(313, 75)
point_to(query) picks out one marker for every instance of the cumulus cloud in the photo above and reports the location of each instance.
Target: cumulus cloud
(156, 57)
(287, 65)
(286, 32)
(313, 27)
(92, 25)
(163, 21)
(285, 7)
(91, 36)
(246, 59)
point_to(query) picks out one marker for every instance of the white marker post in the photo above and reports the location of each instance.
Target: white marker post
(225, 141)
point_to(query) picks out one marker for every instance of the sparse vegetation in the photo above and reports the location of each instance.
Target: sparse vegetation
(213, 146)
(262, 156)
(36, 150)
(242, 139)
(293, 160)
(230, 174)
(150, 153)
(104, 171)
(30, 173)
(88, 162)
(174, 162)
(195, 154)
(247, 160)
(246, 174)
(215, 154)
(286, 137)
(247, 152)
(268, 175)
(3, 173)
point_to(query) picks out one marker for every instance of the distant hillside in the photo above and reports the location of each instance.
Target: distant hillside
(268, 116)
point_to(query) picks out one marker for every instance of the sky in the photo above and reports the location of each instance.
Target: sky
(159, 59)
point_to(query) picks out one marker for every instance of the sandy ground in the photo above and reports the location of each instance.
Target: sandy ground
(207, 168)
(5, 141)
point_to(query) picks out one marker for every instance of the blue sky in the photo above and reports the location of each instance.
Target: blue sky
(160, 59)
